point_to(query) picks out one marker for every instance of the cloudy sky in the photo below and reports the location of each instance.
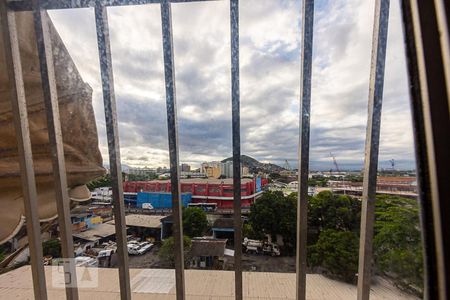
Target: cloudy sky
(270, 76)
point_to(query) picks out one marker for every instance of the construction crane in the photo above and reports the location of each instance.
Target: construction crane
(286, 165)
(338, 171)
(392, 161)
(335, 162)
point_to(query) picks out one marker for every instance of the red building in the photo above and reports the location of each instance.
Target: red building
(218, 191)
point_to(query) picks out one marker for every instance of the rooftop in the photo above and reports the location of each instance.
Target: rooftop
(396, 179)
(96, 233)
(208, 247)
(200, 284)
(223, 223)
(204, 180)
(148, 221)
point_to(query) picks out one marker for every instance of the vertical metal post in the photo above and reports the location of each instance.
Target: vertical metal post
(442, 9)
(19, 108)
(303, 155)
(109, 100)
(426, 30)
(236, 134)
(379, 41)
(423, 181)
(44, 46)
(172, 126)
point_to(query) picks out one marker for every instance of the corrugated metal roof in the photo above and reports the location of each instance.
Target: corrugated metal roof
(96, 233)
(148, 221)
(208, 247)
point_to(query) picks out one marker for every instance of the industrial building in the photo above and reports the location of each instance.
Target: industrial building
(153, 200)
(82, 221)
(219, 191)
(223, 228)
(208, 253)
(143, 226)
(141, 171)
(216, 169)
(213, 172)
(226, 169)
(99, 234)
(185, 168)
(395, 186)
(211, 169)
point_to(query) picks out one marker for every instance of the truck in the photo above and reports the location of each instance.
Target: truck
(260, 247)
(133, 248)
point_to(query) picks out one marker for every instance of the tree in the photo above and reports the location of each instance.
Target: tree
(274, 214)
(52, 247)
(103, 181)
(396, 244)
(249, 232)
(195, 221)
(333, 230)
(142, 177)
(337, 252)
(3, 252)
(318, 181)
(330, 211)
(397, 241)
(274, 175)
(166, 252)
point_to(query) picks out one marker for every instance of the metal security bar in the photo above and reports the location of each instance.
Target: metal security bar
(236, 136)
(112, 131)
(426, 26)
(20, 114)
(303, 154)
(65, 4)
(428, 54)
(376, 82)
(172, 125)
(44, 46)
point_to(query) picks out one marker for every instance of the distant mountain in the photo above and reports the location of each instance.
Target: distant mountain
(255, 166)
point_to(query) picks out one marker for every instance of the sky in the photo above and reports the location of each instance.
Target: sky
(270, 32)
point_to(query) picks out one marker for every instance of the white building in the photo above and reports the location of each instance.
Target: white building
(226, 169)
(141, 171)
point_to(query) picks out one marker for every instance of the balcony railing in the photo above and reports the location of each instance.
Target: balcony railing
(427, 48)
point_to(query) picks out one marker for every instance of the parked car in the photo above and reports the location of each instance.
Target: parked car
(144, 247)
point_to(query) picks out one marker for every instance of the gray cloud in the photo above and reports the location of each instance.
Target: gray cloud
(270, 77)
